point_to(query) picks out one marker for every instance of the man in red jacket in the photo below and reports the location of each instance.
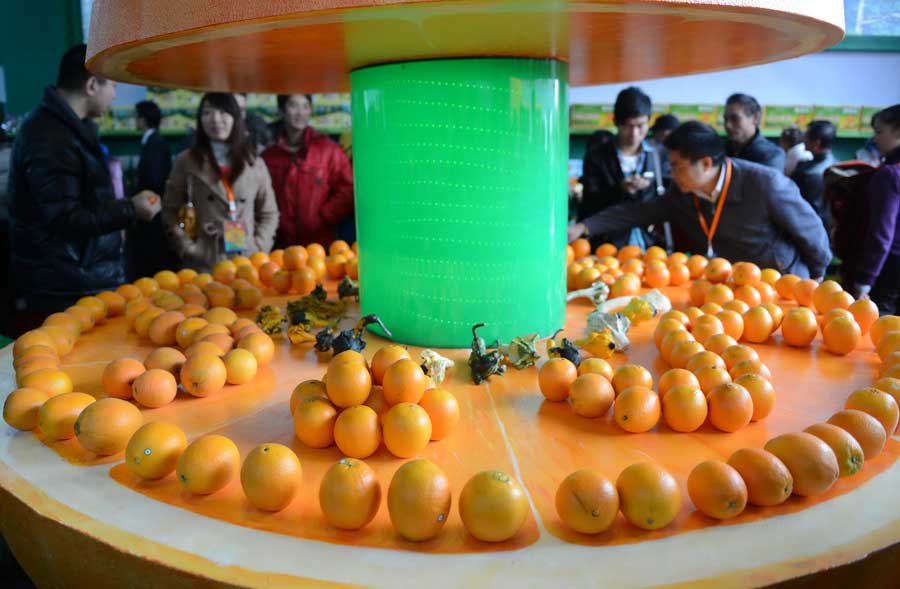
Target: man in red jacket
(311, 175)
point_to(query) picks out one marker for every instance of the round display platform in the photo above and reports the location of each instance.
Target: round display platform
(73, 518)
(313, 45)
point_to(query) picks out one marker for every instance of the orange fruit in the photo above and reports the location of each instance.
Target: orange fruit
(677, 315)
(105, 426)
(841, 336)
(247, 297)
(203, 348)
(33, 365)
(770, 276)
(155, 387)
(224, 271)
(304, 280)
(711, 377)
(443, 411)
(168, 359)
(202, 279)
(134, 308)
(295, 257)
(846, 449)
(836, 300)
(678, 258)
(803, 292)
(377, 403)
(314, 420)
(784, 286)
(581, 247)
(678, 274)
(821, 294)
(681, 353)
(406, 430)
(335, 266)
(758, 325)
(767, 293)
(587, 502)
(812, 463)
(592, 395)
(146, 285)
(889, 362)
(698, 290)
(834, 314)
(210, 329)
(732, 324)
(761, 393)
(208, 464)
(35, 351)
(737, 306)
(768, 480)
(746, 273)
(167, 301)
(63, 340)
(281, 281)
(596, 366)
(671, 340)
(719, 294)
(736, 354)
(718, 270)
(349, 356)
(249, 273)
(656, 274)
(50, 380)
(154, 449)
(799, 327)
(20, 410)
(717, 489)
(119, 375)
(636, 409)
(555, 378)
(349, 494)
(586, 277)
(706, 326)
(219, 295)
(56, 417)
(684, 407)
(95, 307)
(750, 367)
(221, 315)
(890, 385)
(68, 321)
(129, 292)
(710, 308)
(270, 476)
(572, 272)
(693, 313)
(718, 343)
(665, 326)
(888, 343)
(163, 327)
(878, 404)
(240, 366)
(628, 252)
(403, 382)
(702, 360)
(419, 500)
(605, 249)
(493, 506)
(305, 390)
(184, 333)
(203, 375)
(654, 252)
(629, 375)
(260, 345)
(748, 294)
(730, 407)
(881, 326)
(315, 250)
(648, 495)
(864, 428)
(224, 342)
(357, 432)
(186, 276)
(676, 377)
(267, 273)
(625, 285)
(697, 265)
(144, 319)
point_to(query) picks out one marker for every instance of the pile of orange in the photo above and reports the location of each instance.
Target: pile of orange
(298, 269)
(357, 406)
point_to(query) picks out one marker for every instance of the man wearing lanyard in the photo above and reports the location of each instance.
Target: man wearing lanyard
(726, 207)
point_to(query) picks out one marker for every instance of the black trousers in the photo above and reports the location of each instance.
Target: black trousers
(886, 290)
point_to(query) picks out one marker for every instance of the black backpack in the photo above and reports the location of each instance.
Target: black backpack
(847, 198)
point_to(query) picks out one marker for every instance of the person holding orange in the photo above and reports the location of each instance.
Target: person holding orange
(223, 187)
(726, 207)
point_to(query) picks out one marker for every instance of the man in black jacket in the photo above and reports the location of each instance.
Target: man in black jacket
(742, 117)
(810, 175)
(149, 250)
(66, 222)
(726, 207)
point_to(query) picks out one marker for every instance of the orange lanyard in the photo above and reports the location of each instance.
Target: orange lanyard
(710, 232)
(232, 207)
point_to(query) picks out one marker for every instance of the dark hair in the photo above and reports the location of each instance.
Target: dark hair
(630, 103)
(665, 122)
(748, 103)
(695, 140)
(823, 132)
(239, 150)
(283, 100)
(149, 111)
(73, 74)
(889, 116)
(791, 136)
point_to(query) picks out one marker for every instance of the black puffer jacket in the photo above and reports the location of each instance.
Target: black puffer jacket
(66, 222)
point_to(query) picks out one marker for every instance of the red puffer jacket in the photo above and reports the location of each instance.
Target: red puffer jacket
(313, 186)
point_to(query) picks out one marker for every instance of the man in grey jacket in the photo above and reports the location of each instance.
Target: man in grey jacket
(727, 207)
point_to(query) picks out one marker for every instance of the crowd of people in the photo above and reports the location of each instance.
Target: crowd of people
(742, 197)
(243, 186)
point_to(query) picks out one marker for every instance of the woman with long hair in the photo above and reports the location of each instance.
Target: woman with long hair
(219, 198)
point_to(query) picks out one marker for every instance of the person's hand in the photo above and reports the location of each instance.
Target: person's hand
(577, 230)
(640, 183)
(146, 204)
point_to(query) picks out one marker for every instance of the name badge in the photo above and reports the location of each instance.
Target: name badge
(235, 234)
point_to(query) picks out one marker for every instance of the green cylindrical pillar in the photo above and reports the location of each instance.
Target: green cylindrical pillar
(461, 196)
